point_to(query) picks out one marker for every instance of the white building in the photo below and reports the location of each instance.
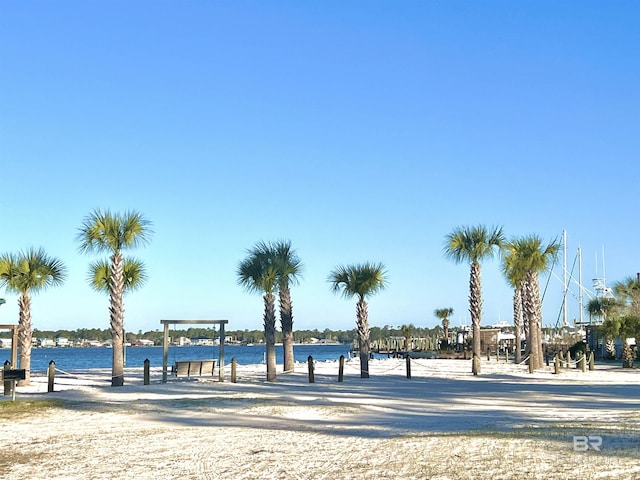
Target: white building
(46, 343)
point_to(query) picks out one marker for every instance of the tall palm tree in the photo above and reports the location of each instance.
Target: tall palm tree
(514, 271)
(257, 273)
(288, 267)
(27, 273)
(360, 280)
(443, 314)
(112, 233)
(473, 245)
(533, 258)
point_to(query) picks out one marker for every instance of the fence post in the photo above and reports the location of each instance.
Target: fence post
(556, 365)
(591, 362)
(7, 383)
(312, 378)
(147, 367)
(234, 366)
(583, 361)
(568, 359)
(341, 369)
(408, 366)
(51, 374)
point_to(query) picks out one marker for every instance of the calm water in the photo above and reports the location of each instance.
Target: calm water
(70, 359)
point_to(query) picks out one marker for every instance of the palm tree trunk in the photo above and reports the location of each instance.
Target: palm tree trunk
(116, 313)
(538, 309)
(24, 337)
(475, 309)
(532, 309)
(270, 335)
(362, 323)
(525, 321)
(286, 323)
(517, 320)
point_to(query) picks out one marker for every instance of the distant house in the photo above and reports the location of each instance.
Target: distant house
(5, 342)
(201, 340)
(46, 343)
(143, 342)
(62, 342)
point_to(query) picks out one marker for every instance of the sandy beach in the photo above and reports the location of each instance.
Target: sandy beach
(443, 423)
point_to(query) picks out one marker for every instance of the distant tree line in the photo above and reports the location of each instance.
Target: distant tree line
(246, 336)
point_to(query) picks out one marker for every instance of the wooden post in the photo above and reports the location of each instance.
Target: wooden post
(488, 354)
(234, 366)
(341, 369)
(591, 361)
(556, 365)
(147, 367)
(506, 355)
(583, 361)
(312, 378)
(408, 366)
(568, 359)
(165, 352)
(7, 383)
(51, 373)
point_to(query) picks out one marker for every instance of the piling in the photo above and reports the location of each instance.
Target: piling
(341, 369)
(8, 384)
(147, 369)
(312, 377)
(234, 368)
(51, 374)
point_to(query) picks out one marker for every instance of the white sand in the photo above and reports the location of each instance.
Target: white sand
(443, 423)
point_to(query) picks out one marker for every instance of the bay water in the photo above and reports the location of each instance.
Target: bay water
(73, 359)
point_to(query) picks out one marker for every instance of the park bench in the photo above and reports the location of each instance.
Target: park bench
(194, 368)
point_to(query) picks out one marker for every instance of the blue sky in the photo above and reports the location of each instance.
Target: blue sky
(360, 131)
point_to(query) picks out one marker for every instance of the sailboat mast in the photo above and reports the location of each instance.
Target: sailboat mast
(564, 268)
(580, 282)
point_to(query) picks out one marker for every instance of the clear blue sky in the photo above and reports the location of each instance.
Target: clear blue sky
(360, 131)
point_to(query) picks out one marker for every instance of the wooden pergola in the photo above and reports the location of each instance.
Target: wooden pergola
(14, 343)
(165, 343)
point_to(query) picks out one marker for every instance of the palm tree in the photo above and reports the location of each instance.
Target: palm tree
(27, 273)
(443, 314)
(623, 326)
(257, 273)
(514, 272)
(103, 231)
(533, 258)
(628, 293)
(360, 280)
(407, 333)
(134, 274)
(288, 267)
(472, 245)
